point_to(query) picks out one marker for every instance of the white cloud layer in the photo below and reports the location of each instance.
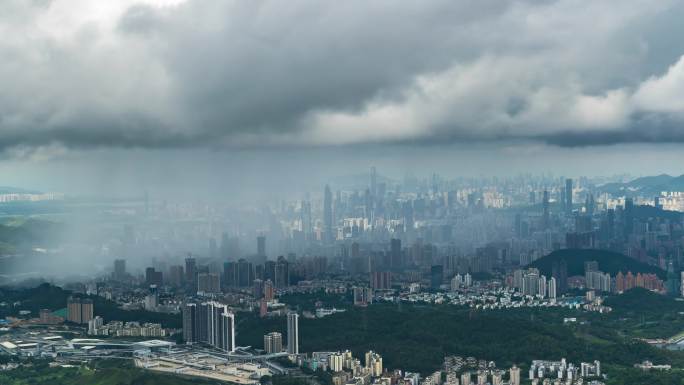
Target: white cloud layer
(210, 73)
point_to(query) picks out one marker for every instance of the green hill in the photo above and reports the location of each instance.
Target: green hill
(51, 297)
(609, 262)
(644, 302)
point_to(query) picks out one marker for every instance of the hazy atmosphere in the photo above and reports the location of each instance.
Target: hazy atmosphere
(438, 192)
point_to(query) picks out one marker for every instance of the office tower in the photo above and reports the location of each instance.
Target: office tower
(373, 182)
(545, 210)
(208, 283)
(514, 375)
(190, 270)
(153, 277)
(245, 273)
(270, 270)
(176, 275)
(261, 247)
(273, 342)
(395, 254)
(328, 235)
(119, 269)
(225, 248)
(628, 218)
(436, 276)
(305, 220)
(213, 250)
(292, 332)
(568, 195)
(282, 273)
(211, 323)
(230, 274)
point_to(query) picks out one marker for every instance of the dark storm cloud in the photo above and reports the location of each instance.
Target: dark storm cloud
(303, 73)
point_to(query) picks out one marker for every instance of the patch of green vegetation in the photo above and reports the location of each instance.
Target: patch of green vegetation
(633, 376)
(47, 296)
(644, 314)
(307, 301)
(416, 338)
(609, 262)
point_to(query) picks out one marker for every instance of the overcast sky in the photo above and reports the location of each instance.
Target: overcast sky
(104, 95)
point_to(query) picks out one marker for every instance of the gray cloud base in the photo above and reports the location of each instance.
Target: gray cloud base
(233, 74)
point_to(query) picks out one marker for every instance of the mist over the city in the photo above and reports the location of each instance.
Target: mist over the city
(341, 193)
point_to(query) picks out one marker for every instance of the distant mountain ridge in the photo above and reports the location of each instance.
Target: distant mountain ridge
(648, 185)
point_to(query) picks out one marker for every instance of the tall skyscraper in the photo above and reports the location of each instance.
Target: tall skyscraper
(190, 270)
(153, 277)
(568, 195)
(282, 273)
(328, 236)
(305, 219)
(395, 254)
(211, 323)
(176, 275)
(628, 218)
(545, 210)
(245, 274)
(373, 182)
(293, 332)
(552, 288)
(119, 269)
(261, 246)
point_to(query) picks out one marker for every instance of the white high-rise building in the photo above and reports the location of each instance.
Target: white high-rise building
(552, 288)
(293, 332)
(211, 323)
(468, 280)
(336, 362)
(542, 286)
(514, 375)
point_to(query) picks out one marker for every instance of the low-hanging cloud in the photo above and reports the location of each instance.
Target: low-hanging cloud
(227, 74)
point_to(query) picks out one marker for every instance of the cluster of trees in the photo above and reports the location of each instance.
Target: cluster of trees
(608, 261)
(416, 338)
(51, 297)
